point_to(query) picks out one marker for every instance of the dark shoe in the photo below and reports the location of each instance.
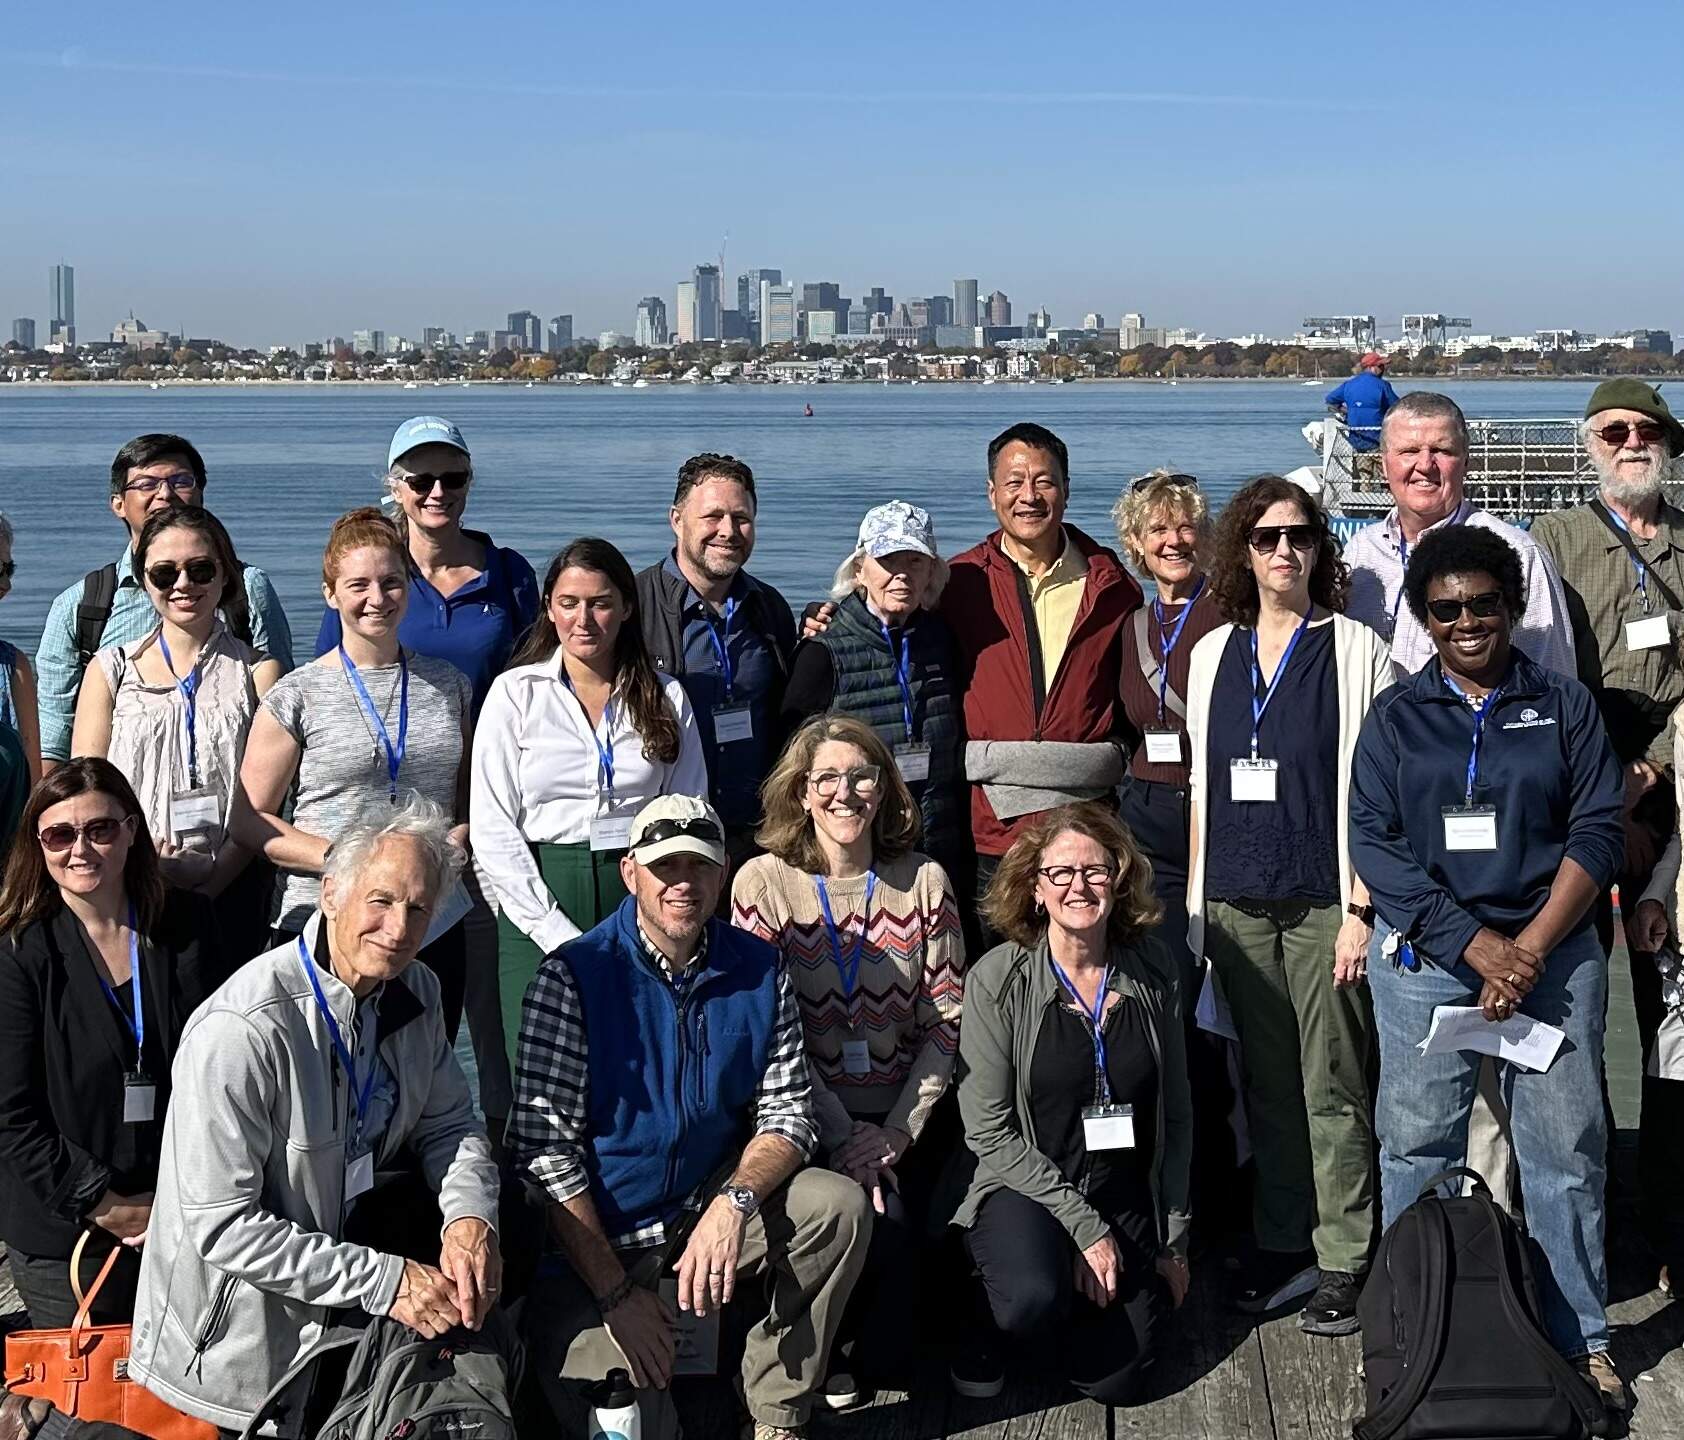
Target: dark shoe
(1333, 1308)
(977, 1374)
(1274, 1279)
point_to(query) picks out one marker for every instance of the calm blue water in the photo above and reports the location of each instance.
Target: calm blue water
(558, 462)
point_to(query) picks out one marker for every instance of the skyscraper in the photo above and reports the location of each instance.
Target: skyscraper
(651, 321)
(530, 329)
(999, 309)
(686, 312)
(23, 333)
(877, 303)
(710, 320)
(1128, 331)
(964, 302)
(777, 313)
(435, 337)
(561, 333)
(941, 309)
(748, 293)
(63, 278)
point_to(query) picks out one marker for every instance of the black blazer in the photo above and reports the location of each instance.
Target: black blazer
(64, 1050)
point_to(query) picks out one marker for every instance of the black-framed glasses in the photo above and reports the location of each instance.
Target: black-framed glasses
(1062, 877)
(698, 829)
(162, 575)
(1266, 539)
(1616, 433)
(180, 481)
(422, 482)
(862, 780)
(1191, 481)
(1481, 607)
(101, 832)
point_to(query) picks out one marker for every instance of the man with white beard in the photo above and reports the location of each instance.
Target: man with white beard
(1621, 559)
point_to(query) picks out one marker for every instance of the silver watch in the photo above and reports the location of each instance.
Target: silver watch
(743, 1200)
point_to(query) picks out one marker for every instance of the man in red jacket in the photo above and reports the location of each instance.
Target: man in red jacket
(1037, 610)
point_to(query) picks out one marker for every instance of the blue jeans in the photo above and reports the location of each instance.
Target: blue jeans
(1560, 1132)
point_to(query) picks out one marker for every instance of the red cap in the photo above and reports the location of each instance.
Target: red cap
(1373, 357)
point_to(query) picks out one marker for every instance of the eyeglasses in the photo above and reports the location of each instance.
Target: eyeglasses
(452, 480)
(1481, 607)
(181, 481)
(672, 829)
(1190, 481)
(862, 780)
(1650, 432)
(1062, 877)
(163, 575)
(101, 832)
(1266, 539)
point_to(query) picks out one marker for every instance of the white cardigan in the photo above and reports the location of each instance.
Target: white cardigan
(1364, 668)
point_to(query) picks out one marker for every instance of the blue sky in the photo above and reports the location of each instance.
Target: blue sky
(273, 173)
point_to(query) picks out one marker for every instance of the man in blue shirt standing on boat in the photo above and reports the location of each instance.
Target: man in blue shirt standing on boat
(1365, 398)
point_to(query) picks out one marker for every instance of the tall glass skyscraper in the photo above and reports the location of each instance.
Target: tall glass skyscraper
(63, 314)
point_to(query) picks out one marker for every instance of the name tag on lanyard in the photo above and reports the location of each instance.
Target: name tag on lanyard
(1253, 780)
(1108, 1127)
(140, 1098)
(359, 1175)
(732, 722)
(912, 759)
(1649, 633)
(856, 1056)
(1163, 747)
(611, 832)
(195, 818)
(1470, 827)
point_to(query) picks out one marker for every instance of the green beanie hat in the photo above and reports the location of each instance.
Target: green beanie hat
(1628, 393)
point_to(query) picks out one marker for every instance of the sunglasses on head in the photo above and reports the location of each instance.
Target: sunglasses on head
(1481, 607)
(163, 575)
(701, 829)
(452, 480)
(1266, 539)
(1191, 481)
(1650, 432)
(102, 832)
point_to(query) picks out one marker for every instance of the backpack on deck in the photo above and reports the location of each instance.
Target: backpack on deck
(399, 1386)
(1451, 1345)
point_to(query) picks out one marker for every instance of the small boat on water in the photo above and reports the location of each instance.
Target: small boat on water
(640, 383)
(410, 385)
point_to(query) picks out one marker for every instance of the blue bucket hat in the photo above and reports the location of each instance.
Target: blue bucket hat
(424, 430)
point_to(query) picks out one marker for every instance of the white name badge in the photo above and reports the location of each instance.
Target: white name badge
(1163, 747)
(732, 722)
(912, 759)
(195, 818)
(856, 1057)
(1108, 1127)
(1647, 633)
(1253, 780)
(140, 1100)
(611, 832)
(1470, 827)
(359, 1176)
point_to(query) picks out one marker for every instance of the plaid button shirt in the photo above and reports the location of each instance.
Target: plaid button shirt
(549, 1128)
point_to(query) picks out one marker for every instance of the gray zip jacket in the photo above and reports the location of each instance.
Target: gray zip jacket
(1006, 995)
(243, 1260)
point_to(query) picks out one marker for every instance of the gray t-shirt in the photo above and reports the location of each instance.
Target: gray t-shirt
(343, 767)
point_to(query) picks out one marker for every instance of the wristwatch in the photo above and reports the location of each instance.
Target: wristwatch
(743, 1200)
(1364, 913)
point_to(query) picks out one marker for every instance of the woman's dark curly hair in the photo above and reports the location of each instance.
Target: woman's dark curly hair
(1231, 580)
(1464, 550)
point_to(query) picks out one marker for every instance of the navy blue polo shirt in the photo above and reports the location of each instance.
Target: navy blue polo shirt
(1544, 763)
(476, 629)
(737, 766)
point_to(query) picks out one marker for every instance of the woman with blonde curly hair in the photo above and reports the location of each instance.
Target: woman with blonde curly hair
(1073, 1093)
(869, 931)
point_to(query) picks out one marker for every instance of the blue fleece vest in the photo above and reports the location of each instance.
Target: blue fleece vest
(671, 1090)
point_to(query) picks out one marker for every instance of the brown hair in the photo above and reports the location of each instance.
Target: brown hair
(1231, 577)
(366, 526)
(1009, 906)
(787, 829)
(634, 671)
(232, 601)
(28, 893)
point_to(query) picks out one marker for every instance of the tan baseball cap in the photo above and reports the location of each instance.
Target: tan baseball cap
(677, 825)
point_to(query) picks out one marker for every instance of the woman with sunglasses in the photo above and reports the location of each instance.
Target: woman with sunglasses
(356, 728)
(1275, 701)
(17, 679)
(1486, 818)
(869, 931)
(100, 966)
(576, 736)
(1073, 1092)
(172, 711)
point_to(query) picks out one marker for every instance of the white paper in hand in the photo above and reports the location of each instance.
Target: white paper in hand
(1521, 1039)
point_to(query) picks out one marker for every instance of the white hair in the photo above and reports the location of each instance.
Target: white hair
(415, 818)
(847, 579)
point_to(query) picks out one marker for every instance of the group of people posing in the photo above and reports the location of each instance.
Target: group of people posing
(981, 933)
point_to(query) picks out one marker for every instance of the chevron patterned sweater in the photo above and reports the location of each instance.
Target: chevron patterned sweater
(907, 1000)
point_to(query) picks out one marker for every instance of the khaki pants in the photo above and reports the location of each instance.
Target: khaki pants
(1304, 1055)
(808, 1241)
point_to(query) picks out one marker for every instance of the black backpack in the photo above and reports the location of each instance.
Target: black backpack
(1451, 1345)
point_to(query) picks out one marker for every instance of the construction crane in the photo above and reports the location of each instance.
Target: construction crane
(1423, 330)
(1360, 330)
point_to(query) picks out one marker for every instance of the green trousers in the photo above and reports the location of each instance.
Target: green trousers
(1304, 1056)
(586, 885)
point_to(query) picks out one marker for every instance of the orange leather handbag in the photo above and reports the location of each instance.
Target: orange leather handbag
(84, 1370)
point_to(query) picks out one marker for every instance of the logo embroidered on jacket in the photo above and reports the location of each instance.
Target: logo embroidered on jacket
(1530, 719)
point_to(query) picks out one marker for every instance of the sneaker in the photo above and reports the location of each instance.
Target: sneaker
(977, 1374)
(841, 1391)
(1602, 1377)
(1275, 1279)
(1333, 1308)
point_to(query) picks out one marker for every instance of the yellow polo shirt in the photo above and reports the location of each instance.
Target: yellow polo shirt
(1055, 596)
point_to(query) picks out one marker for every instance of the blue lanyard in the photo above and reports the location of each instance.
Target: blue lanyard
(847, 967)
(1403, 569)
(903, 672)
(189, 687)
(604, 753)
(1096, 1018)
(1259, 706)
(1168, 642)
(394, 754)
(1480, 712)
(1636, 563)
(137, 1026)
(360, 1095)
(722, 647)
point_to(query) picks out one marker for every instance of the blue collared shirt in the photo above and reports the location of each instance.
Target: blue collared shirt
(58, 667)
